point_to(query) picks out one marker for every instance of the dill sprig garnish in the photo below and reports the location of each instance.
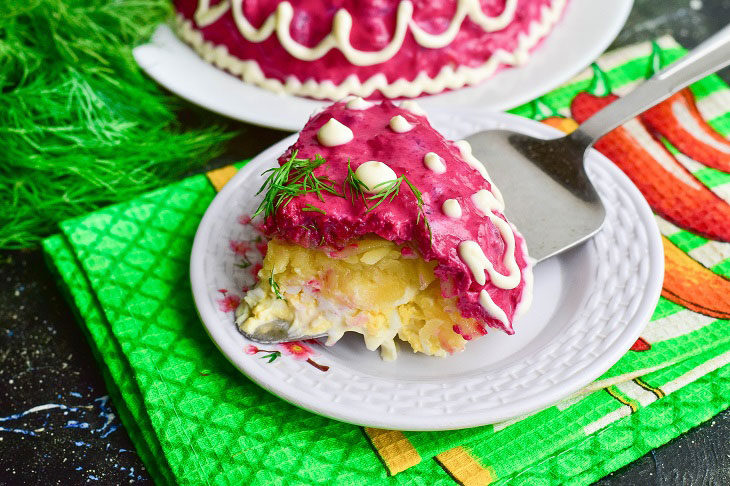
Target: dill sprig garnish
(315, 209)
(391, 189)
(357, 187)
(296, 177)
(419, 200)
(293, 178)
(313, 229)
(245, 263)
(275, 286)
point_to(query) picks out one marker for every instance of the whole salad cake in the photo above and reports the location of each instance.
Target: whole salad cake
(379, 225)
(369, 48)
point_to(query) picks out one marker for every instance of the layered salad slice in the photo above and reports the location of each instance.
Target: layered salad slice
(381, 226)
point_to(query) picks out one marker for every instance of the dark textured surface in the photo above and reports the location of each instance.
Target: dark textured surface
(58, 427)
(56, 423)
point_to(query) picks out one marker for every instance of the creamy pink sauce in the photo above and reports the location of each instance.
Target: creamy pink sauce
(397, 220)
(373, 27)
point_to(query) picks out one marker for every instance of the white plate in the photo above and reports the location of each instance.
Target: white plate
(584, 32)
(590, 304)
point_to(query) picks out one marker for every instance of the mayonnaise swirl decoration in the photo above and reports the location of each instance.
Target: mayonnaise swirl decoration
(279, 22)
(473, 256)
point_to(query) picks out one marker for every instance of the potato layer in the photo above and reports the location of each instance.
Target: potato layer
(372, 286)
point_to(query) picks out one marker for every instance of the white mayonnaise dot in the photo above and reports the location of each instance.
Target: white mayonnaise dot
(464, 147)
(485, 202)
(334, 133)
(451, 208)
(434, 162)
(399, 124)
(413, 107)
(374, 173)
(358, 103)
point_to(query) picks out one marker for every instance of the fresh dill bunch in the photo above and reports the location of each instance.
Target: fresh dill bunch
(293, 178)
(80, 126)
(275, 286)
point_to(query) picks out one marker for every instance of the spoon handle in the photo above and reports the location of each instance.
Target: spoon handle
(711, 55)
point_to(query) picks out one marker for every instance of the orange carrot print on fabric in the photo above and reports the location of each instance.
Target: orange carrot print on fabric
(679, 121)
(565, 125)
(691, 285)
(544, 113)
(670, 189)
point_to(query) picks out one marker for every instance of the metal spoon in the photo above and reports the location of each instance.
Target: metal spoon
(273, 332)
(547, 193)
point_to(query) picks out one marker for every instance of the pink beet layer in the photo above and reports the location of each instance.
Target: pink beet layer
(373, 26)
(397, 221)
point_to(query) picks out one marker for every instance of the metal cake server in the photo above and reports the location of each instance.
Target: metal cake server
(547, 193)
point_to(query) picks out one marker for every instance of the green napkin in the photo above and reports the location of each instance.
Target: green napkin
(196, 419)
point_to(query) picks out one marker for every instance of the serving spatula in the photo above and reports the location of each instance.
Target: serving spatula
(547, 193)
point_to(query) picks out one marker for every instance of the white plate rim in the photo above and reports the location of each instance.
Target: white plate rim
(163, 55)
(465, 420)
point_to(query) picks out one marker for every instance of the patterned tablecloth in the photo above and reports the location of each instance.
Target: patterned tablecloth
(195, 419)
